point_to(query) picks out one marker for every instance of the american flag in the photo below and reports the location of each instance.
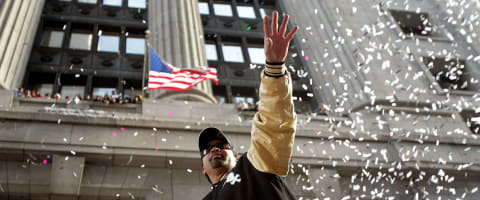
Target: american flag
(162, 75)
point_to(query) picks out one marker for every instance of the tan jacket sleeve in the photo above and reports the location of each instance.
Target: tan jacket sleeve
(273, 130)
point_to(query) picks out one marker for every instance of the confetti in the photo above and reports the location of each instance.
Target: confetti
(369, 61)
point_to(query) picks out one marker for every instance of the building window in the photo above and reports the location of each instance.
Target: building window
(70, 91)
(117, 3)
(72, 85)
(246, 12)
(104, 86)
(267, 7)
(81, 37)
(46, 89)
(224, 10)
(132, 87)
(257, 55)
(266, 12)
(232, 49)
(232, 53)
(220, 93)
(256, 52)
(81, 41)
(108, 40)
(42, 81)
(52, 35)
(88, 1)
(104, 91)
(137, 3)
(52, 38)
(108, 43)
(211, 52)
(244, 98)
(241, 100)
(135, 46)
(135, 42)
(203, 8)
(450, 74)
(413, 23)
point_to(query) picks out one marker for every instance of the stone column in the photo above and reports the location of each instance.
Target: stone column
(176, 34)
(18, 22)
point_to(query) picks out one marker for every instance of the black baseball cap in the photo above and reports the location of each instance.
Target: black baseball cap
(209, 134)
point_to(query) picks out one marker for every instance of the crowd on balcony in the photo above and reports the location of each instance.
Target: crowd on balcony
(244, 106)
(107, 99)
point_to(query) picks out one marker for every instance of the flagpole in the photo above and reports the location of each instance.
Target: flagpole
(145, 60)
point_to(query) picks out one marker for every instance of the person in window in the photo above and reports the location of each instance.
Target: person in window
(106, 99)
(77, 98)
(47, 96)
(114, 95)
(240, 106)
(58, 96)
(67, 98)
(114, 100)
(257, 173)
(251, 107)
(127, 100)
(28, 94)
(137, 99)
(98, 99)
(20, 93)
(88, 97)
(120, 100)
(36, 94)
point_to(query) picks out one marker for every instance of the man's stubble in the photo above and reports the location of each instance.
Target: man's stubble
(219, 162)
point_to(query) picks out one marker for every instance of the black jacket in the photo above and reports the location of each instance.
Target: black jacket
(245, 182)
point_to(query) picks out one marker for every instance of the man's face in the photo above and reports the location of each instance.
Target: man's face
(218, 154)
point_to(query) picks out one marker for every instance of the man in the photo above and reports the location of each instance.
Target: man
(256, 174)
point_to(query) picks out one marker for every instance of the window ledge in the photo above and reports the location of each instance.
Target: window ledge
(433, 38)
(82, 105)
(458, 92)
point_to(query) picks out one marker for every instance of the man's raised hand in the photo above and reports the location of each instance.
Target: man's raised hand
(275, 44)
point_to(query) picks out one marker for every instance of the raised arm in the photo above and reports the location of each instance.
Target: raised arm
(273, 130)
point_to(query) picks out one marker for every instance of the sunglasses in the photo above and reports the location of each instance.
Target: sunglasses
(220, 145)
